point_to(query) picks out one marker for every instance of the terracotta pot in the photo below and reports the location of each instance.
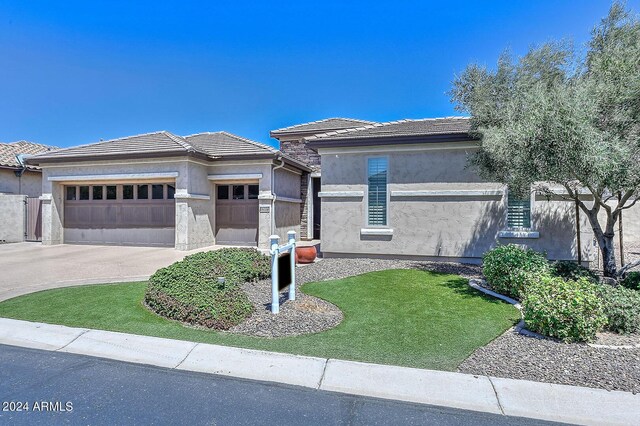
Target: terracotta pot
(306, 254)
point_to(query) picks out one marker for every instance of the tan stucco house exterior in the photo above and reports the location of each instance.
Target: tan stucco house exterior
(161, 189)
(398, 189)
(402, 189)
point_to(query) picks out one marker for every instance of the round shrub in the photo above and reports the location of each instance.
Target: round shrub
(239, 264)
(571, 311)
(622, 308)
(570, 270)
(632, 281)
(509, 268)
(189, 291)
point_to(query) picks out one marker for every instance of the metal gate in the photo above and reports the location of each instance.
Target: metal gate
(33, 219)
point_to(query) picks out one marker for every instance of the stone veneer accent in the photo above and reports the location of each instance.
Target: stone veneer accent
(299, 150)
(304, 211)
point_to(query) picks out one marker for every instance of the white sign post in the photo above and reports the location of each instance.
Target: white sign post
(275, 251)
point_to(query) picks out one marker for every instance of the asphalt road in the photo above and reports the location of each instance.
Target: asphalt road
(77, 389)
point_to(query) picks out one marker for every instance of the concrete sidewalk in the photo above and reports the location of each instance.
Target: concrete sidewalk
(479, 393)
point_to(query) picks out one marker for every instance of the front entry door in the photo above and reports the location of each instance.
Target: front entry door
(316, 209)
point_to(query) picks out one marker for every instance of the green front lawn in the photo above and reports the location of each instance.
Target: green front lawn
(403, 317)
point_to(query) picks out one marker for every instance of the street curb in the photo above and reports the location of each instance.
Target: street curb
(545, 401)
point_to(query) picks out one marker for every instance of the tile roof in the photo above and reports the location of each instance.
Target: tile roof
(208, 145)
(155, 142)
(8, 152)
(323, 125)
(407, 127)
(221, 144)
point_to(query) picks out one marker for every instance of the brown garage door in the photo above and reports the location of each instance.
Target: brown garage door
(140, 214)
(237, 214)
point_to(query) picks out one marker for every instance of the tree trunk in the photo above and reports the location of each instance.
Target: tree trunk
(608, 256)
(605, 241)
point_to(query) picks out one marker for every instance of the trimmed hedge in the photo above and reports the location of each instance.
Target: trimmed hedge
(509, 268)
(570, 270)
(622, 307)
(571, 311)
(189, 290)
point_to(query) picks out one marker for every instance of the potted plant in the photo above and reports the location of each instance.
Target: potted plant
(306, 254)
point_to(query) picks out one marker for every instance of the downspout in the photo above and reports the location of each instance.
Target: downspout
(19, 173)
(273, 193)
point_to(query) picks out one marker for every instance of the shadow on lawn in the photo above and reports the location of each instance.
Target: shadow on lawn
(461, 287)
(447, 268)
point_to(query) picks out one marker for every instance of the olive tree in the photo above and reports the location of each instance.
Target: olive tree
(564, 123)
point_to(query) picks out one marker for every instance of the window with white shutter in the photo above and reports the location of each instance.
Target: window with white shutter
(377, 191)
(518, 212)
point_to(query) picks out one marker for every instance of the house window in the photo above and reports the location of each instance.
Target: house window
(111, 192)
(171, 192)
(518, 212)
(223, 192)
(157, 192)
(84, 192)
(97, 192)
(254, 190)
(377, 192)
(143, 192)
(238, 192)
(127, 192)
(71, 192)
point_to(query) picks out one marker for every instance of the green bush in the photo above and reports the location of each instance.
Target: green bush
(189, 290)
(509, 268)
(622, 307)
(571, 311)
(632, 281)
(570, 270)
(240, 264)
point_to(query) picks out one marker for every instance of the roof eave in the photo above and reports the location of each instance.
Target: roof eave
(18, 168)
(309, 132)
(271, 156)
(333, 142)
(123, 156)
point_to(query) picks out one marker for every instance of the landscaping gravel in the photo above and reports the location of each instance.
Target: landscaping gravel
(519, 357)
(614, 339)
(308, 314)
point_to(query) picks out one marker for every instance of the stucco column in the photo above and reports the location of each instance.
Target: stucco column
(265, 207)
(53, 215)
(194, 224)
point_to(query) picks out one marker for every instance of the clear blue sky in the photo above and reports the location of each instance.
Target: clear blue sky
(73, 72)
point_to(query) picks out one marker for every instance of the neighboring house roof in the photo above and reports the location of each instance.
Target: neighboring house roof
(217, 145)
(321, 126)
(10, 151)
(401, 131)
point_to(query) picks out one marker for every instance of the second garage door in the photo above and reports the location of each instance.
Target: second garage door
(237, 214)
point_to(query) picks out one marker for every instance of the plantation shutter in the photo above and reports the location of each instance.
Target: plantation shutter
(377, 198)
(518, 212)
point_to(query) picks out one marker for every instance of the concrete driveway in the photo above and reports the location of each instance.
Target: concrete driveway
(29, 267)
